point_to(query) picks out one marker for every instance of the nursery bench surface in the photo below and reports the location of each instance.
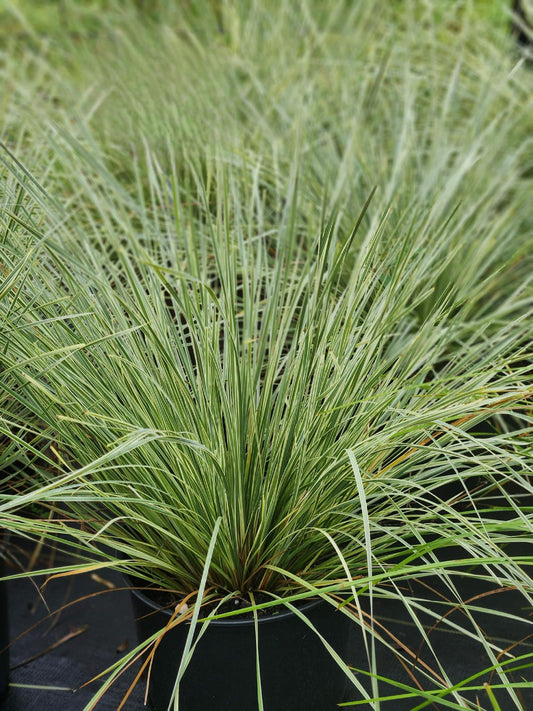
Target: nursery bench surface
(55, 651)
(89, 624)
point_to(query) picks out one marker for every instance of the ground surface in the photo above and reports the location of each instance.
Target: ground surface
(71, 646)
(90, 635)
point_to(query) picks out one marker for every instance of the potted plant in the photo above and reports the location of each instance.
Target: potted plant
(239, 425)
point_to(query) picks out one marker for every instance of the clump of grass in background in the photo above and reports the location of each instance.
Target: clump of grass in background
(426, 104)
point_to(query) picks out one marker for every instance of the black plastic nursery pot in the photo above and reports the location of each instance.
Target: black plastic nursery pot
(297, 672)
(4, 631)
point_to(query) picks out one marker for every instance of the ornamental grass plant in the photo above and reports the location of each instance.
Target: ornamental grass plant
(19, 433)
(230, 414)
(269, 338)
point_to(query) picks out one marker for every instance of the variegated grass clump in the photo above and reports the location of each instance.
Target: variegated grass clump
(262, 410)
(272, 332)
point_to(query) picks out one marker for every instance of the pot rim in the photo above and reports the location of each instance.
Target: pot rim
(233, 621)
